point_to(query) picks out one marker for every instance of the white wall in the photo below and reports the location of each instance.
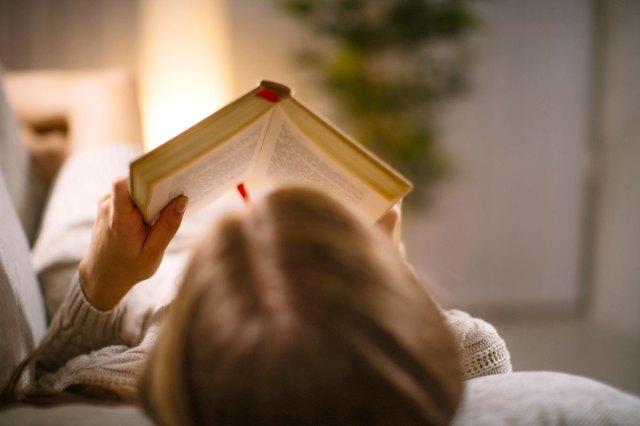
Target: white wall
(507, 232)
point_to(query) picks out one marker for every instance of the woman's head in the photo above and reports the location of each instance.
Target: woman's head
(296, 312)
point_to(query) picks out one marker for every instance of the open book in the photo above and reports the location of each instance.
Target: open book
(264, 138)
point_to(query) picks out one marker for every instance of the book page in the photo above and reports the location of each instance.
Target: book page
(351, 155)
(214, 173)
(289, 157)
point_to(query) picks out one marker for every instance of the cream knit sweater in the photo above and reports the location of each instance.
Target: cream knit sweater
(85, 346)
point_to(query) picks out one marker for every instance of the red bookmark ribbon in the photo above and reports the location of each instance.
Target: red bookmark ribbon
(268, 95)
(244, 193)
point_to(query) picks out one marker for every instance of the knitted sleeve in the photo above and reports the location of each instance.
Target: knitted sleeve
(116, 367)
(78, 328)
(482, 351)
(85, 347)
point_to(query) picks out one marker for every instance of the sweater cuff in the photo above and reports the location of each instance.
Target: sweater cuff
(482, 351)
(79, 328)
(94, 324)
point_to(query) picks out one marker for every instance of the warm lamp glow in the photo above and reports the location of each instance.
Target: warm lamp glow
(184, 65)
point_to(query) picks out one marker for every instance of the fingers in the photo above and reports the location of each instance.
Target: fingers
(121, 200)
(105, 197)
(125, 217)
(104, 205)
(165, 228)
(390, 222)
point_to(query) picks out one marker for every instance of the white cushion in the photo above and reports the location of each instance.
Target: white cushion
(22, 319)
(545, 398)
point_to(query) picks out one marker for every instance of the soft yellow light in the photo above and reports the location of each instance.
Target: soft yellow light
(184, 64)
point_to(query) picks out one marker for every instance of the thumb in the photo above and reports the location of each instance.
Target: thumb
(165, 227)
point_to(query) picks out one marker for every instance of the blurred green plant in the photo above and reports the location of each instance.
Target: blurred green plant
(389, 65)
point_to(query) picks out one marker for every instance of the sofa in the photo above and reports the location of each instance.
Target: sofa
(519, 398)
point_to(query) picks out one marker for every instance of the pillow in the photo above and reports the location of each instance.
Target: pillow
(536, 398)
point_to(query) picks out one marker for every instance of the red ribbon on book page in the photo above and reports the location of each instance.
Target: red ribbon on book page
(268, 95)
(244, 193)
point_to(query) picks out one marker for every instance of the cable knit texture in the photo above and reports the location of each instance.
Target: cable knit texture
(482, 351)
(86, 346)
(79, 328)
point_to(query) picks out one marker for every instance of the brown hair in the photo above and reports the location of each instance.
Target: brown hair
(297, 313)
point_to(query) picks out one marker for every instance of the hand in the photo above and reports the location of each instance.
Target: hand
(391, 224)
(124, 250)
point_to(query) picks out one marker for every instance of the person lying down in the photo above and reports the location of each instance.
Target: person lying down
(288, 311)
